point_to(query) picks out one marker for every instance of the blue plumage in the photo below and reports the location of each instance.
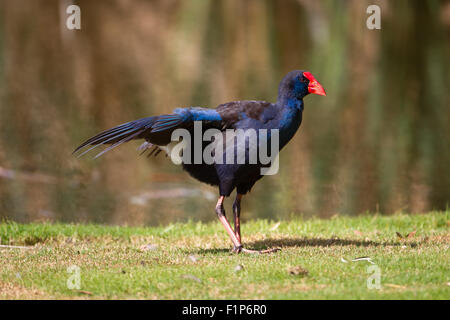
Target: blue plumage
(284, 115)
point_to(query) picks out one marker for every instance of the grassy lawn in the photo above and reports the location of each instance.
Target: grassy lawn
(193, 260)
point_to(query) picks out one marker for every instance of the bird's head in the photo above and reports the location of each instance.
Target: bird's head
(297, 84)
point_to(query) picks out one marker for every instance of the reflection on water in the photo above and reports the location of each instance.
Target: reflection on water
(379, 140)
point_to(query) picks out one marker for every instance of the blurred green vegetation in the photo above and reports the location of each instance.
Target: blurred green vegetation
(378, 142)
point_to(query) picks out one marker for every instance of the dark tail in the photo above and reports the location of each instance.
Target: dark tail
(116, 136)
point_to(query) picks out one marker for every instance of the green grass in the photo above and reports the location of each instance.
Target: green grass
(114, 265)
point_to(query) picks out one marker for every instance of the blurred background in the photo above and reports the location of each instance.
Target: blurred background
(379, 141)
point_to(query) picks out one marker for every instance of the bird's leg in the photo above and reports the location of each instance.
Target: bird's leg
(236, 242)
(223, 219)
(237, 215)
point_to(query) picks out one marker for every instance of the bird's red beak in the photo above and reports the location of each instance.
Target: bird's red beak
(314, 86)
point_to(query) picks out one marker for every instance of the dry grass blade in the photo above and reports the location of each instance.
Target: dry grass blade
(275, 226)
(14, 247)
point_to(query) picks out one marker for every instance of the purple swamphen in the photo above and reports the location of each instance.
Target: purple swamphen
(285, 116)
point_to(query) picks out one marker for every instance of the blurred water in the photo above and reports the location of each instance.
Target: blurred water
(379, 141)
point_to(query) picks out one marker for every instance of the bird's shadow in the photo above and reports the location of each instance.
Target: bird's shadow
(305, 242)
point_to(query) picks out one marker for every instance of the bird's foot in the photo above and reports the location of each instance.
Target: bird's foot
(240, 249)
(237, 249)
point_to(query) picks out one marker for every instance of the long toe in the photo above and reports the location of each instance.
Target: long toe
(260, 251)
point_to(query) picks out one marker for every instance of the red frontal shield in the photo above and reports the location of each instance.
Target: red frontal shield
(314, 86)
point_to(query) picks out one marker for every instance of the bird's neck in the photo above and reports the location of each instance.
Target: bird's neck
(291, 104)
(290, 120)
